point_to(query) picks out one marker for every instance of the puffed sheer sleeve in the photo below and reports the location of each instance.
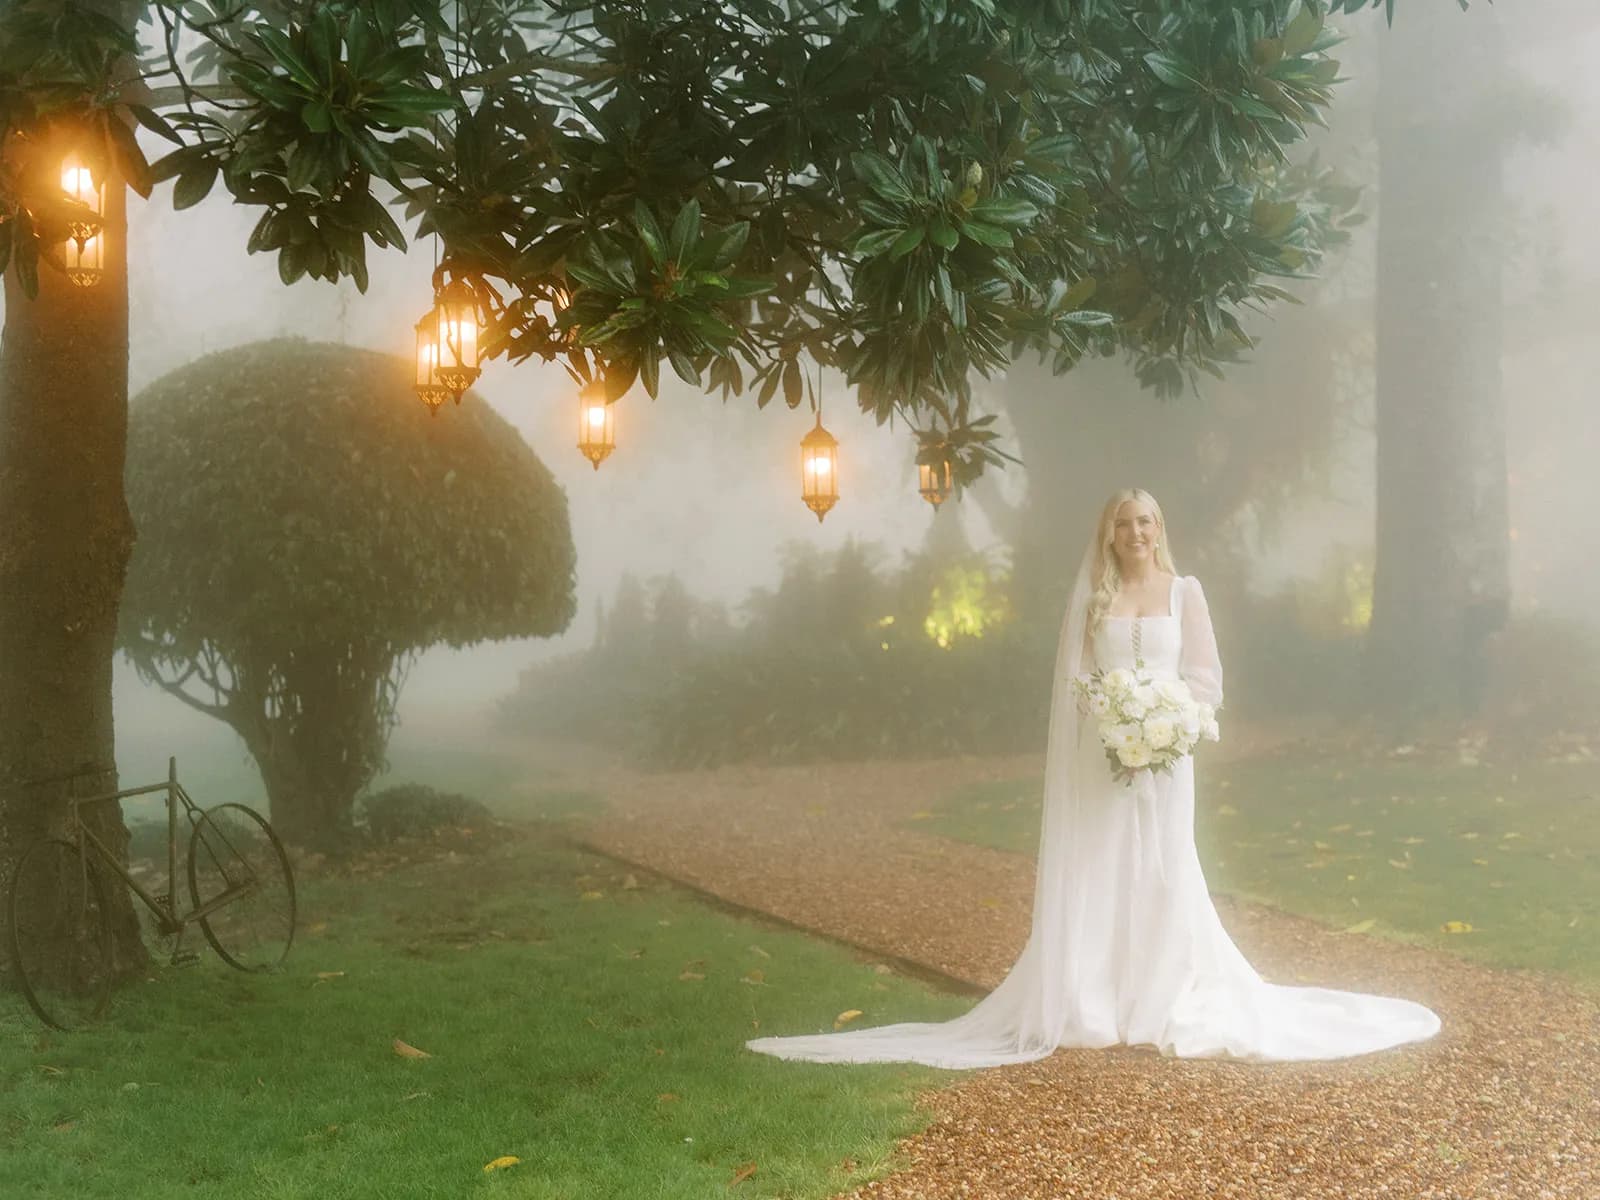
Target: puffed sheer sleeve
(1198, 663)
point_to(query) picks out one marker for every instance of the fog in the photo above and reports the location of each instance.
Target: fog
(708, 490)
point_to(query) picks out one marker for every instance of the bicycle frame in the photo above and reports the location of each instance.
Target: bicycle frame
(167, 914)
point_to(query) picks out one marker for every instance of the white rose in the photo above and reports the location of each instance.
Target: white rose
(1172, 692)
(1159, 733)
(1123, 736)
(1135, 756)
(1119, 681)
(1099, 704)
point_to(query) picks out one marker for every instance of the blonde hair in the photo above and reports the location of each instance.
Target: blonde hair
(1105, 574)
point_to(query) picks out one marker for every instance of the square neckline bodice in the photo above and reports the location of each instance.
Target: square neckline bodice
(1172, 606)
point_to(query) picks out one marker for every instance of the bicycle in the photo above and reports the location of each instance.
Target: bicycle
(241, 894)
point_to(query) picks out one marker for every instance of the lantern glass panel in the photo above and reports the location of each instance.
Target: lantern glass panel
(85, 260)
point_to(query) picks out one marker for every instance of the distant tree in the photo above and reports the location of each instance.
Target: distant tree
(672, 619)
(305, 529)
(627, 631)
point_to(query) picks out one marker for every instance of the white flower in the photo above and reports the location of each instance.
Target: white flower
(1189, 719)
(1099, 704)
(1119, 681)
(1134, 709)
(1145, 694)
(1173, 693)
(1159, 733)
(1123, 736)
(1137, 755)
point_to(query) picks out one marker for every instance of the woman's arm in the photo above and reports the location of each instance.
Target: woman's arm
(1198, 663)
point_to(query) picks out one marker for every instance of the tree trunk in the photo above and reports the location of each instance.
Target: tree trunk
(323, 741)
(64, 545)
(1442, 582)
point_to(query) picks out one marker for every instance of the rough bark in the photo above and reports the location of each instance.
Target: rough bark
(1442, 581)
(318, 737)
(65, 541)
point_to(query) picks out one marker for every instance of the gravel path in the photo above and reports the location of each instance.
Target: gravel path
(1505, 1102)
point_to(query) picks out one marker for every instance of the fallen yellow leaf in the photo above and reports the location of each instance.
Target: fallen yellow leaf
(753, 977)
(760, 951)
(1480, 862)
(1362, 926)
(629, 883)
(591, 896)
(844, 1018)
(330, 974)
(1456, 927)
(1402, 865)
(406, 1050)
(1227, 810)
(1346, 828)
(921, 816)
(505, 1160)
(742, 1174)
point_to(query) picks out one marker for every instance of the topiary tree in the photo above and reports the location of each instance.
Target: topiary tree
(304, 530)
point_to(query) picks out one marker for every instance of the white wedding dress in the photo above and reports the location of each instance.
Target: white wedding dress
(1126, 946)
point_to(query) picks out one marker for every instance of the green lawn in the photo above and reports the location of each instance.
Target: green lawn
(1408, 846)
(591, 1028)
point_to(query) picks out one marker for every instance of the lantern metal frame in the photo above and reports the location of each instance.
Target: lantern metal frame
(84, 250)
(592, 398)
(819, 446)
(455, 310)
(933, 482)
(427, 384)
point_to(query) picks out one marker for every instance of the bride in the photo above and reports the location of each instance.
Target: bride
(1126, 946)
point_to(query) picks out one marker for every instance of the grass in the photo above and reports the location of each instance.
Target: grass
(589, 1028)
(1511, 851)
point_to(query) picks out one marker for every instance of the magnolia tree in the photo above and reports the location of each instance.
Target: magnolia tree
(908, 193)
(304, 530)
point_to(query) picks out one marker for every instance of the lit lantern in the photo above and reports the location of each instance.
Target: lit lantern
(933, 481)
(428, 387)
(77, 181)
(85, 260)
(455, 309)
(819, 470)
(597, 434)
(85, 249)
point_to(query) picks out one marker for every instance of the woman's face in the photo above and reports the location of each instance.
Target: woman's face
(1134, 533)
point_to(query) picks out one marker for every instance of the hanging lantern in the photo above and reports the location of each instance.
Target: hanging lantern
(85, 260)
(933, 481)
(819, 470)
(84, 251)
(597, 434)
(455, 309)
(78, 182)
(428, 387)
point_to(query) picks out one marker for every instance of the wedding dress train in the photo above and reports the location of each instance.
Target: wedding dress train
(1126, 946)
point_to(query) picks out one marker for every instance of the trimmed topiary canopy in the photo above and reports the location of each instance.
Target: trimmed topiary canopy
(304, 529)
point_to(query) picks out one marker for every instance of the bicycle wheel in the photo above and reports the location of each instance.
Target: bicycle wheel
(240, 873)
(60, 935)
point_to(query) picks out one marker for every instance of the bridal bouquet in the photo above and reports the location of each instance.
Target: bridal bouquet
(1145, 724)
